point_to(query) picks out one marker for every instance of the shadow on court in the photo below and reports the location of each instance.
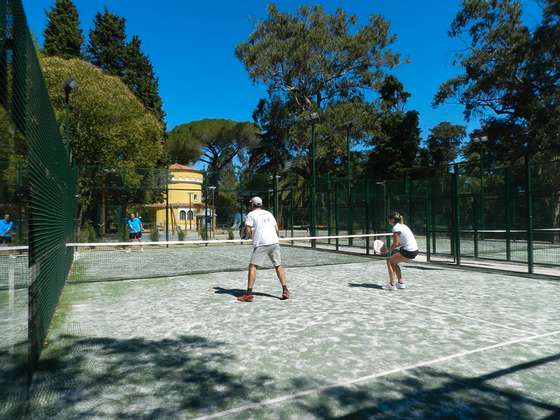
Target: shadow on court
(13, 380)
(453, 397)
(366, 285)
(238, 292)
(191, 376)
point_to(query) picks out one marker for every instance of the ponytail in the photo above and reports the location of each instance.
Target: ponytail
(397, 217)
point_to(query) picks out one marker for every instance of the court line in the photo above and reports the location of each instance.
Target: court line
(443, 311)
(373, 376)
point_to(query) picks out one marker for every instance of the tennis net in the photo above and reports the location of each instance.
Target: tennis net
(136, 260)
(13, 267)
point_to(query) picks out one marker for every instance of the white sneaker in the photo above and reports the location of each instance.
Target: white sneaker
(401, 285)
(388, 286)
(128, 250)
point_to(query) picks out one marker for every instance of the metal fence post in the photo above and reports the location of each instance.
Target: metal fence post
(475, 223)
(456, 215)
(336, 211)
(366, 206)
(508, 206)
(329, 216)
(428, 216)
(529, 196)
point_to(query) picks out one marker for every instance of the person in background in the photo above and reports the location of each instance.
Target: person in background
(6, 226)
(135, 228)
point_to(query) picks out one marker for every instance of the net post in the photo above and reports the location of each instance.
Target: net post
(167, 211)
(529, 197)
(428, 216)
(366, 208)
(456, 215)
(507, 195)
(336, 210)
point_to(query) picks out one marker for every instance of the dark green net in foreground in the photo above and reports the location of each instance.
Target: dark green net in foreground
(123, 261)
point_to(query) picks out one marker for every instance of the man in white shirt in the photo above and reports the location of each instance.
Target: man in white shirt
(262, 227)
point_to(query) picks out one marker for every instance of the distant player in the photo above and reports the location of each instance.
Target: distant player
(405, 243)
(6, 226)
(135, 228)
(261, 226)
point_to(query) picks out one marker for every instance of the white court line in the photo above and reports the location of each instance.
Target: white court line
(374, 376)
(429, 308)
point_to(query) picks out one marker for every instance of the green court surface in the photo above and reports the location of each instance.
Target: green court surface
(455, 344)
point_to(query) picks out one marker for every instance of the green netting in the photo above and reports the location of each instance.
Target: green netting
(50, 177)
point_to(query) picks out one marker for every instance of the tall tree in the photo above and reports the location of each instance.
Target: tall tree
(396, 134)
(220, 142)
(140, 77)
(107, 43)
(132, 139)
(63, 35)
(314, 62)
(315, 58)
(511, 75)
(444, 142)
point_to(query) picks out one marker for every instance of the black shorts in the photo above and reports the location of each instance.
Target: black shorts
(135, 235)
(408, 254)
(5, 239)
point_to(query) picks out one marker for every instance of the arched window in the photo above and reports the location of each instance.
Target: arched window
(191, 214)
(182, 215)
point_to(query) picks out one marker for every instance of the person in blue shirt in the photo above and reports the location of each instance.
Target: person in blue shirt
(6, 226)
(135, 228)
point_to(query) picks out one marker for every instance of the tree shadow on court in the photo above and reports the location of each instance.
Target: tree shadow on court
(189, 376)
(129, 378)
(13, 380)
(434, 394)
(238, 292)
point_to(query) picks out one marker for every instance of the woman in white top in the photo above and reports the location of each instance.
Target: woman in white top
(405, 243)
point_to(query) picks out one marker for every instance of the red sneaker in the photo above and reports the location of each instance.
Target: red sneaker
(285, 294)
(246, 297)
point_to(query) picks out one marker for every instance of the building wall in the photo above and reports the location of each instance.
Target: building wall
(185, 193)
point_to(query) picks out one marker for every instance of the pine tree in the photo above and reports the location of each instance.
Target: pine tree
(140, 77)
(107, 43)
(63, 35)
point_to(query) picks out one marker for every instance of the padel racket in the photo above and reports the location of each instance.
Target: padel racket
(379, 247)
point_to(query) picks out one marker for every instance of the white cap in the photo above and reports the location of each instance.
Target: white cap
(256, 201)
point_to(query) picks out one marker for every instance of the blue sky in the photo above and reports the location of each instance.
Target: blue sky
(191, 44)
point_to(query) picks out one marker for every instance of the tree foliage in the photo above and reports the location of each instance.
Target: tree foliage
(109, 50)
(140, 77)
(315, 59)
(63, 35)
(215, 142)
(109, 127)
(511, 75)
(444, 141)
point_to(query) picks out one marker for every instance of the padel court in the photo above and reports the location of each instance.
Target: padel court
(454, 344)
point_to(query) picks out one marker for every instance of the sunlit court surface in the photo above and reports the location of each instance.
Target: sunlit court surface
(455, 343)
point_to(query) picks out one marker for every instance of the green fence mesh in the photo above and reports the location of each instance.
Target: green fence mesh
(51, 179)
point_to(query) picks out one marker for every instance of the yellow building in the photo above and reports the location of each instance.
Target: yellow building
(185, 201)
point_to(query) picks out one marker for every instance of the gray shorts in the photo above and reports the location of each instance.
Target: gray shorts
(261, 252)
